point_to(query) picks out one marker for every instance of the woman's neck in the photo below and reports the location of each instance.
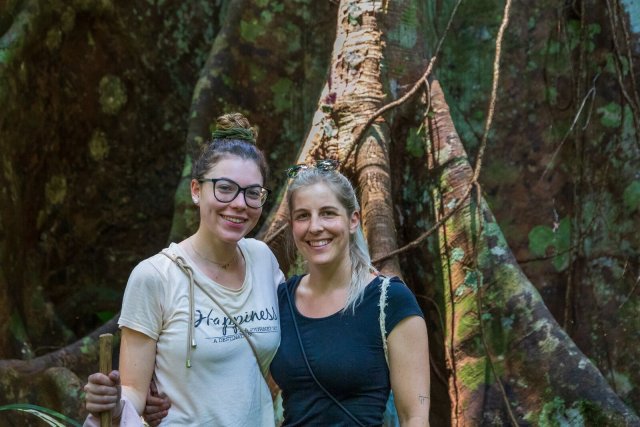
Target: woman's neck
(326, 278)
(212, 249)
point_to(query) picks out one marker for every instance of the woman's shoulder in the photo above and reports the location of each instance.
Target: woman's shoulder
(396, 291)
(256, 247)
(290, 283)
(157, 266)
(253, 244)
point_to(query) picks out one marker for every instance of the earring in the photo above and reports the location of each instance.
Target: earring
(195, 200)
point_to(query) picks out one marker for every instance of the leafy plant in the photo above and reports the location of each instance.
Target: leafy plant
(557, 240)
(49, 416)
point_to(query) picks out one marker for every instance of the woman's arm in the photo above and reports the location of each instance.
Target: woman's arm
(137, 361)
(409, 368)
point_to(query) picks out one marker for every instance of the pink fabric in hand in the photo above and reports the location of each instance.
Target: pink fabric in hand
(128, 418)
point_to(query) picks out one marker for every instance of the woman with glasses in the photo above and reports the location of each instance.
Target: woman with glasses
(201, 317)
(349, 336)
(332, 362)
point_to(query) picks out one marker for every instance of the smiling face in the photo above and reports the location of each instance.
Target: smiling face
(321, 226)
(227, 222)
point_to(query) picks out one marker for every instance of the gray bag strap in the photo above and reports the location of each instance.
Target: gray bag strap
(384, 286)
(391, 418)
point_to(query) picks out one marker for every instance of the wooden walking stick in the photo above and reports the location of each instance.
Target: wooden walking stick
(106, 345)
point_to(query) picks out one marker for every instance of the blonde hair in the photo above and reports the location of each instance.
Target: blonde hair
(358, 251)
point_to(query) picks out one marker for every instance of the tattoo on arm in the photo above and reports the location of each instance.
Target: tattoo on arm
(422, 398)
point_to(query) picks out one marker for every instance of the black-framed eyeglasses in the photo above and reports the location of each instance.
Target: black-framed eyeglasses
(325, 165)
(226, 190)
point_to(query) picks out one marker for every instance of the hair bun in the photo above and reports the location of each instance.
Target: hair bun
(234, 126)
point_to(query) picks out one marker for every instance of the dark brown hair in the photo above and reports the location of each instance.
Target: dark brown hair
(235, 136)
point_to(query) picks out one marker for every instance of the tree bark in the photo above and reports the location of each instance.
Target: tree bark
(501, 336)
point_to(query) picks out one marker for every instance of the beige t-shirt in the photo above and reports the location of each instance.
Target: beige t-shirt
(224, 386)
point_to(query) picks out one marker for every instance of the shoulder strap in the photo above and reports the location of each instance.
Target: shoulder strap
(191, 343)
(306, 361)
(384, 285)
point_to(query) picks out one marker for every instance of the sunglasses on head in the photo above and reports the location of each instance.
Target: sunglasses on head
(324, 165)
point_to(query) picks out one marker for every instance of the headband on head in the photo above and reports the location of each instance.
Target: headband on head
(234, 133)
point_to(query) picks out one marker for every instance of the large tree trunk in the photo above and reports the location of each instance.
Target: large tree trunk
(501, 336)
(560, 169)
(353, 92)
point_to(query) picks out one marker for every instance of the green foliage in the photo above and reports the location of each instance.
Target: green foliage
(105, 316)
(292, 36)
(474, 374)
(554, 414)
(543, 238)
(87, 345)
(47, 415)
(592, 31)
(553, 47)
(610, 115)
(465, 75)
(471, 279)
(406, 33)
(631, 195)
(552, 95)
(276, 7)
(282, 95)
(250, 31)
(500, 173)
(266, 16)
(574, 29)
(415, 143)
(582, 413)
(611, 67)
(540, 237)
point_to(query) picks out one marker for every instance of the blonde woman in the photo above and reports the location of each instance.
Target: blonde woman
(331, 363)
